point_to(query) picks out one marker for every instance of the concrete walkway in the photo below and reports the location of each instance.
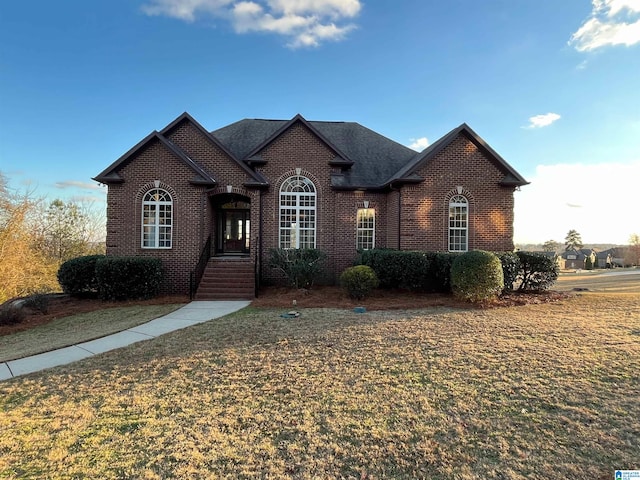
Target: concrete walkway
(191, 314)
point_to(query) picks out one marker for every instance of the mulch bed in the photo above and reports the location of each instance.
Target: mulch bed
(335, 297)
(61, 305)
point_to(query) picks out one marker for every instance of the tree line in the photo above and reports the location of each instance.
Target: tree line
(37, 236)
(573, 242)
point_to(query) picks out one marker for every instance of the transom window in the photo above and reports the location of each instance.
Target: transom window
(366, 229)
(297, 213)
(157, 219)
(458, 224)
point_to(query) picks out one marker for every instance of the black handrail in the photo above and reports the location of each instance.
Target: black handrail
(196, 275)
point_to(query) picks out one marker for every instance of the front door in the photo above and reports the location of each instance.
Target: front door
(235, 231)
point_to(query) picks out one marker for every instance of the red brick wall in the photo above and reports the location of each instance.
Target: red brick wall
(422, 223)
(124, 211)
(425, 206)
(335, 210)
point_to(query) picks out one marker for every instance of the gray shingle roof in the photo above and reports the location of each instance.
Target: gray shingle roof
(377, 161)
(375, 158)
(366, 158)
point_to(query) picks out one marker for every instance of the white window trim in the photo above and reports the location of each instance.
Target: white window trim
(458, 201)
(156, 224)
(294, 230)
(360, 229)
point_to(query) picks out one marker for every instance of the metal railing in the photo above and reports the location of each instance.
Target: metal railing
(196, 275)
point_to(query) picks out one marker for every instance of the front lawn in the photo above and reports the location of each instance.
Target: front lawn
(82, 327)
(531, 392)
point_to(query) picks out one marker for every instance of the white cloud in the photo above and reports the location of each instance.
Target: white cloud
(612, 22)
(186, 10)
(331, 8)
(77, 184)
(305, 23)
(89, 199)
(419, 144)
(539, 121)
(564, 196)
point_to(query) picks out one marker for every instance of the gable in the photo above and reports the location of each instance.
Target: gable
(364, 157)
(509, 176)
(209, 153)
(460, 159)
(112, 174)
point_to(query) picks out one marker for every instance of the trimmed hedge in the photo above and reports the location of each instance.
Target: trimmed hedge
(431, 271)
(78, 275)
(416, 271)
(476, 276)
(125, 278)
(510, 268)
(537, 272)
(359, 281)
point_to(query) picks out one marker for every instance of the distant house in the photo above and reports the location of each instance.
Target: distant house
(211, 204)
(605, 260)
(616, 256)
(577, 259)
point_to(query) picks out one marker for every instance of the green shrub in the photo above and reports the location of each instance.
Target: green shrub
(78, 275)
(537, 272)
(11, 314)
(301, 266)
(359, 281)
(476, 276)
(417, 271)
(441, 271)
(510, 268)
(124, 278)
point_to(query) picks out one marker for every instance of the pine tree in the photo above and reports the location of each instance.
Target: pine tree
(573, 241)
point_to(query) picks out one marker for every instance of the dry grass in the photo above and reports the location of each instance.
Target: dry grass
(82, 327)
(531, 392)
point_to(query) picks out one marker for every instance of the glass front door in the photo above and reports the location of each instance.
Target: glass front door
(235, 231)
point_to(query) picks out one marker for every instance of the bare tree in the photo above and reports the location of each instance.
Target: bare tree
(634, 249)
(23, 268)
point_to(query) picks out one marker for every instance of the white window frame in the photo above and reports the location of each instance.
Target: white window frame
(157, 220)
(458, 237)
(365, 229)
(297, 217)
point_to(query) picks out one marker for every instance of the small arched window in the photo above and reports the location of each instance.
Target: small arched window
(458, 224)
(157, 219)
(297, 213)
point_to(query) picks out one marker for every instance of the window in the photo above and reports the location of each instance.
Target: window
(297, 213)
(157, 219)
(458, 224)
(366, 229)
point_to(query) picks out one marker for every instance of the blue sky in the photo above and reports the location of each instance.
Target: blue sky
(553, 86)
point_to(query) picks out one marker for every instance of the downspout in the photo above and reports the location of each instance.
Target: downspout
(399, 213)
(202, 215)
(260, 240)
(399, 218)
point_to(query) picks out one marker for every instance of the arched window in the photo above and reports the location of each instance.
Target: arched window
(157, 219)
(458, 224)
(297, 213)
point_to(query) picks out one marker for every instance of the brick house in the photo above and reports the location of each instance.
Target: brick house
(217, 202)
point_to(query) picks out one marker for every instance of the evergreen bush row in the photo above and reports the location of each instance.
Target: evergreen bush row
(431, 271)
(412, 270)
(111, 278)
